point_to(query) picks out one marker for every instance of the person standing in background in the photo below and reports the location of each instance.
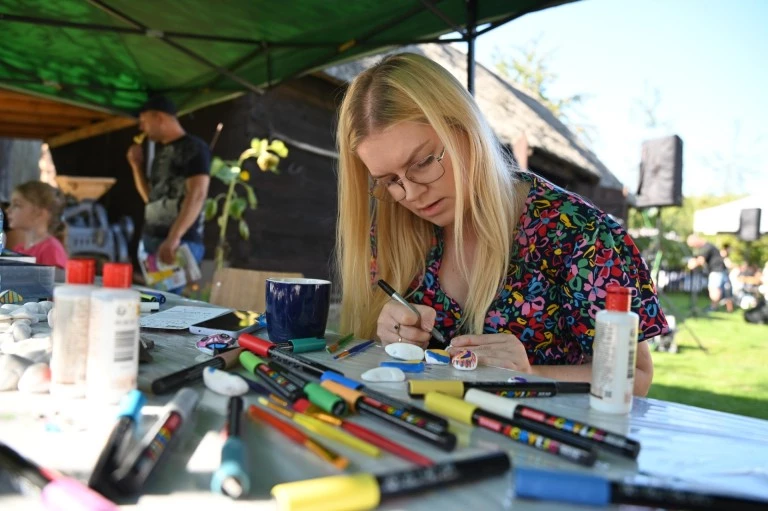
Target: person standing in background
(708, 256)
(178, 182)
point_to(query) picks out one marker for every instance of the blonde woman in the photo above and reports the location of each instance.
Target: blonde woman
(500, 261)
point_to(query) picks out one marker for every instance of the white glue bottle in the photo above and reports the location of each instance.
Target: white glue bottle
(615, 353)
(113, 354)
(69, 334)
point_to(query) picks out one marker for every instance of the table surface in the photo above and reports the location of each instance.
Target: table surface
(704, 448)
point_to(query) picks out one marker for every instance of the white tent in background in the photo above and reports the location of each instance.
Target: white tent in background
(725, 218)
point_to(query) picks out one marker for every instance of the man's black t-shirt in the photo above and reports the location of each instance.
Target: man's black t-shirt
(174, 162)
(712, 256)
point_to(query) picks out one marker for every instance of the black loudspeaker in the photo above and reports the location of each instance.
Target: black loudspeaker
(661, 173)
(749, 225)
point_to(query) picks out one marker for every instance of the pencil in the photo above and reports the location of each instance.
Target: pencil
(334, 347)
(256, 414)
(354, 349)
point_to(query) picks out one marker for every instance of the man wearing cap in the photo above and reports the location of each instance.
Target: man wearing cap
(178, 182)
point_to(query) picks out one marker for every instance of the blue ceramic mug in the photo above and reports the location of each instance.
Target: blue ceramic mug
(297, 308)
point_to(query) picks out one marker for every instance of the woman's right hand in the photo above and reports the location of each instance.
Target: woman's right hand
(399, 324)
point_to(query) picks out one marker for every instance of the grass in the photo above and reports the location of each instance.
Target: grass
(732, 376)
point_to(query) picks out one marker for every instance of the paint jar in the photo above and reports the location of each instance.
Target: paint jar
(113, 354)
(615, 353)
(71, 327)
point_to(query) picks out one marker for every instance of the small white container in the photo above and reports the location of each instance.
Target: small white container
(615, 354)
(113, 354)
(70, 330)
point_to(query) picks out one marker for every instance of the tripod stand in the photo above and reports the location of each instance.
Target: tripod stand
(669, 344)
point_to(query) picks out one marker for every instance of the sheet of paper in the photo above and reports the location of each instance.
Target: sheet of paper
(180, 317)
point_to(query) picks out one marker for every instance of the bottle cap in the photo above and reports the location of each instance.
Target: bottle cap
(80, 271)
(118, 275)
(618, 299)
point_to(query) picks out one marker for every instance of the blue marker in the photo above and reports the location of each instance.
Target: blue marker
(231, 479)
(118, 442)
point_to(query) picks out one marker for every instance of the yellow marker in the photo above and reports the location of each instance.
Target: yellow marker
(277, 408)
(332, 433)
(338, 493)
(417, 388)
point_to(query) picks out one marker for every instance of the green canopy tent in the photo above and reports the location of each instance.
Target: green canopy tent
(110, 55)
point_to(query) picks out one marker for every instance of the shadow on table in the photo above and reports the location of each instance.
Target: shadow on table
(741, 405)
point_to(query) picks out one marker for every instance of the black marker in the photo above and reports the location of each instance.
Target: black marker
(231, 478)
(142, 460)
(361, 492)
(457, 388)
(280, 353)
(396, 296)
(316, 394)
(591, 490)
(117, 443)
(194, 373)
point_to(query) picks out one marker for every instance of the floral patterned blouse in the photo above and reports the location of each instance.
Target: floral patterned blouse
(565, 253)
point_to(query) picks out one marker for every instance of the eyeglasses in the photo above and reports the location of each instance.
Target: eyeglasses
(424, 172)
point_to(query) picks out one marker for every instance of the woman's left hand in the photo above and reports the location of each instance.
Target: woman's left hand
(499, 350)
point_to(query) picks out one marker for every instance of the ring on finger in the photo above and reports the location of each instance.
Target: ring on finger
(399, 338)
(397, 328)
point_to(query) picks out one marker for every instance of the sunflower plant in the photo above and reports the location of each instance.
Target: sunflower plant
(231, 173)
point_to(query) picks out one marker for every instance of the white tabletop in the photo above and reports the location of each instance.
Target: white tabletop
(705, 448)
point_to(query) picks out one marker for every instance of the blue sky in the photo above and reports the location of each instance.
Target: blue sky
(705, 57)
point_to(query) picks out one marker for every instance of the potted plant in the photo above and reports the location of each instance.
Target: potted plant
(231, 173)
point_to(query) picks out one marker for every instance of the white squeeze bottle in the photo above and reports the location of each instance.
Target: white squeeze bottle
(70, 330)
(113, 354)
(615, 352)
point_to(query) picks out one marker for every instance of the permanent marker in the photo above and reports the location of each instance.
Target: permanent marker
(265, 348)
(396, 296)
(231, 478)
(591, 435)
(393, 416)
(518, 431)
(194, 373)
(144, 458)
(430, 421)
(593, 490)
(58, 493)
(457, 388)
(118, 442)
(272, 379)
(361, 492)
(317, 395)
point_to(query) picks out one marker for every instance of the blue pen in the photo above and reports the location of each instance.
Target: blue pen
(118, 442)
(354, 350)
(231, 479)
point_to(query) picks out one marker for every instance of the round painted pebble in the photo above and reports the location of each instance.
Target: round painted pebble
(224, 383)
(384, 374)
(404, 351)
(464, 360)
(439, 357)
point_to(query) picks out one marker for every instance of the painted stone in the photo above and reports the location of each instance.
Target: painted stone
(439, 357)
(36, 379)
(12, 367)
(383, 374)
(517, 379)
(404, 351)
(221, 382)
(464, 360)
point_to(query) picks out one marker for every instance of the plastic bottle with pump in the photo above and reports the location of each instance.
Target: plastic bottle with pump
(71, 326)
(615, 354)
(113, 354)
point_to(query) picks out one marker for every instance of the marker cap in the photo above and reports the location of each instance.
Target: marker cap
(80, 271)
(325, 399)
(184, 402)
(503, 406)
(255, 344)
(449, 387)
(232, 466)
(131, 405)
(336, 377)
(337, 493)
(230, 357)
(250, 361)
(573, 488)
(349, 395)
(449, 406)
(308, 344)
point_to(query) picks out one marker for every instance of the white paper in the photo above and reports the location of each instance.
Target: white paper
(180, 317)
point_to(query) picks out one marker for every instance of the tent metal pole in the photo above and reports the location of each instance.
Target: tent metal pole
(471, 36)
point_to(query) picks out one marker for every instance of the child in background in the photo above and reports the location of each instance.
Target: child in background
(35, 211)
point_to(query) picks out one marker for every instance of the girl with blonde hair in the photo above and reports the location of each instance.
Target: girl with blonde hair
(500, 261)
(35, 211)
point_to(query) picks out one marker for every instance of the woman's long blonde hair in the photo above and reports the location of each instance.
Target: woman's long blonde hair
(410, 87)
